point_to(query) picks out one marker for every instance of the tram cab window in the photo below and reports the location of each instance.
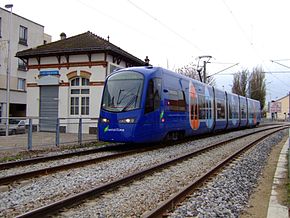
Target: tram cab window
(122, 92)
(153, 95)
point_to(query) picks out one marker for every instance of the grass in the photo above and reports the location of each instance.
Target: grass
(10, 158)
(35, 153)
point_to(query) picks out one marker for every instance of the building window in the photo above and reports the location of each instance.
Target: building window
(21, 84)
(114, 68)
(85, 105)
(23, 35)
(21, 65)
(79, 96)
(74, 105)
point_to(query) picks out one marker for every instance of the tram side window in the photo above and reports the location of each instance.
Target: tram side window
(220, 109)
(235, 112)
(209, 108)
(176, 101)
(173, 100)
(181, 101)
(251, 110)
(153, 95)
(202, 107)
(235, 108)
(243, 112)
(230, 109)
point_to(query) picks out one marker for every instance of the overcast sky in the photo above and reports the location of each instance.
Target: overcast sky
(174, 33)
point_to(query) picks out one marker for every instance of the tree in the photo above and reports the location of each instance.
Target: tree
(191, 71)
(240, 82)
(257, 86)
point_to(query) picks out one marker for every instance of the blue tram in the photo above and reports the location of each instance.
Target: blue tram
(150, 104)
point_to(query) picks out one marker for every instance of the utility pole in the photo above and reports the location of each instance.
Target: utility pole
(204, 71)
(8, 6)
(204, 67)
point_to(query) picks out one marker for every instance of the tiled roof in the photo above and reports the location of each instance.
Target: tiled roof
(83, 43)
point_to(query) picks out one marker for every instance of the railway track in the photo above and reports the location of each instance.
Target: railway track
(110, 147)
(11, 164)
(67, 202)
(4, 180)
(162, 209)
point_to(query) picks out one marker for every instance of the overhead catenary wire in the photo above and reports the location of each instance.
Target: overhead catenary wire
(282, 60)
(157, 20)
(277, 77)
(249, 41)
(114, 19)
(165, 26)
(238, 23)
(223, 69)
(272, 72)
(273, 61)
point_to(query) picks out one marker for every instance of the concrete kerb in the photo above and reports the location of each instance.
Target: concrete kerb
(275, 209)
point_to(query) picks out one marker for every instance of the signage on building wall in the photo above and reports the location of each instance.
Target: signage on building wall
(275, 107)
(48, 72)
(48, 80)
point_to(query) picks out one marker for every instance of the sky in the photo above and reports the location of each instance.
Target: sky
(173, 33)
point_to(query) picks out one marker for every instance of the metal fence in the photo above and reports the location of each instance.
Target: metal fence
(36, 132)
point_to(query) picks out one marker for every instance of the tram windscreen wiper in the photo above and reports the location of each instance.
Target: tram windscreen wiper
(132, 100)
(125, 96)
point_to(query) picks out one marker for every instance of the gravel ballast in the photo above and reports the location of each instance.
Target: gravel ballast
(37, 192)
(228, 194)
(137, 198)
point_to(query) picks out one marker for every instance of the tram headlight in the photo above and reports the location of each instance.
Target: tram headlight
(127, 120)
(105, 120)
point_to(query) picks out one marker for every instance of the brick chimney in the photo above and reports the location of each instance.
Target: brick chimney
(62, 36)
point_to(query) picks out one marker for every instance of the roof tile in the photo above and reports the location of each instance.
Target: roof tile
(82, 43)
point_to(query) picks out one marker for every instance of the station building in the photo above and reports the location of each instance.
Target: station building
(25, 34)
(65, 79)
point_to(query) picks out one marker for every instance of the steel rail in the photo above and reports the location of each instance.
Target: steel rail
(76, 164)
(48, 170)
(94, 192)
(168, 205)
(17, 163)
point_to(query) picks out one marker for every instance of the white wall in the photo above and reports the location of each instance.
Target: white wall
(98, 74)
(35, 37)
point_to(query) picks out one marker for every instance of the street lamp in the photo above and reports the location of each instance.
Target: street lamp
(8, 6)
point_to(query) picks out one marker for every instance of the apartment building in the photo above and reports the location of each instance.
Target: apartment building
(25, 34)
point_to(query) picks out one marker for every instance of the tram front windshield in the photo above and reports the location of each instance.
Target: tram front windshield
(123, 91)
